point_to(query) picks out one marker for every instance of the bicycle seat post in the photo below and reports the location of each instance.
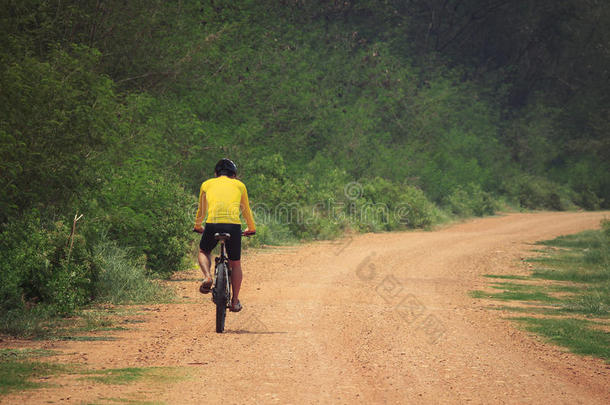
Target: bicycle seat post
(222, 238)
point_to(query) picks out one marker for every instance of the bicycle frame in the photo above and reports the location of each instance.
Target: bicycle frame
(222, 291)
(223, 259)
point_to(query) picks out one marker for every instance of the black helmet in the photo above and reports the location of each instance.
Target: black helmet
(225, 167)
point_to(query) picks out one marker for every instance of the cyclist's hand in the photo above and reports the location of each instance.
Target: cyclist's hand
(198, 229)
(249, 232)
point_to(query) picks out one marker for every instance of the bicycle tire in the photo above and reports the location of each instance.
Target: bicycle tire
(221, 297)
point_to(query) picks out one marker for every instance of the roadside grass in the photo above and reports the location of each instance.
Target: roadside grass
(86, 338)
(87, 321)
(537, 296)
(506, 276)
(20, 369)
(582, 240)
(124, 280)
(569, 288)
(80, 324)
(39, 325)
(119, 376)
(578, 335)
(529, 310)
(517, 287)
(525, 292)
(20, 354)
(114, 401)
(17, 371)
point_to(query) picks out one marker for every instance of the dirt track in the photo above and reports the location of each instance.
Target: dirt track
(381, 318)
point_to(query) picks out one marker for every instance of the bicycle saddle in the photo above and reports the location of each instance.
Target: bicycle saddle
(222, 236)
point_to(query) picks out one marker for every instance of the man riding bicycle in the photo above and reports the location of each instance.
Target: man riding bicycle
(223, 198)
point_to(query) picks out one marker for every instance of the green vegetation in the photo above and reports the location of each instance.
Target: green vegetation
(20, 354)
(17, 374)
(109, 401)
(523, 293)
(583, 261)
(506, 276)
(17, 371)
(132, 374)
(579, 335)
(363, 115)
(87, 338)
(41, 325)
(120, 280)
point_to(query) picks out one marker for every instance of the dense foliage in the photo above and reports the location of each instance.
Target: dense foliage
(366, 115)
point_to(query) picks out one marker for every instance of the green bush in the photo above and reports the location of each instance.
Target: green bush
(268, 233)
(320, 225)
(588, 178)
(21, 253)
(539, 193)
(150, 213)
(43, 274)
(337, 205)
(383, 205)
(588, 200)
(469, 200)
(40, 266)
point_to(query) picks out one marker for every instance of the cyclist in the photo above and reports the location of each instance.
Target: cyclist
(222, 198)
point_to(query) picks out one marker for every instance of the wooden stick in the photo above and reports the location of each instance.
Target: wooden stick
(76, 218)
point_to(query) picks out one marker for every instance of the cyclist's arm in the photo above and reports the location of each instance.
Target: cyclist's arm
(201, 209)
(246, 212)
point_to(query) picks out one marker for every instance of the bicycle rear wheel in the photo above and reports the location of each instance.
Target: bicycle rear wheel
(220, 297)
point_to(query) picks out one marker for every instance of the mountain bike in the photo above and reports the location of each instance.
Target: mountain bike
(221, 292)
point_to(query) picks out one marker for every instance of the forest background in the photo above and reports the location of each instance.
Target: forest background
(343, 116)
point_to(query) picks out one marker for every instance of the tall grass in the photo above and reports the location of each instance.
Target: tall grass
(123, 279)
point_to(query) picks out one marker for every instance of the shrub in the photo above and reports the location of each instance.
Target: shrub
(150, 213)
(383, 205)
(38, 266)
(588, 200)
(21, 247)
(535, 192)
(121, 278)
(471, 200)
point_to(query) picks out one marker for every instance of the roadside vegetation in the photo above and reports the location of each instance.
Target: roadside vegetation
(566, 299)
(25, 369)
(342, 116)
(18, 369)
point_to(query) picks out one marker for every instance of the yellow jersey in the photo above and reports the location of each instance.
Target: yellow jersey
(222, 199)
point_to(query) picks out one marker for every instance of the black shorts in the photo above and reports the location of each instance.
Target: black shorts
(208, 241)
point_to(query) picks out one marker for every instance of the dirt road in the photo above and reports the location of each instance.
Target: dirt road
(380, 318)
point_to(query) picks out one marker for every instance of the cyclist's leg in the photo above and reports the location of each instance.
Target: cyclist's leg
(236, 277)
(207, 243)
(234, 252)
(205, 262)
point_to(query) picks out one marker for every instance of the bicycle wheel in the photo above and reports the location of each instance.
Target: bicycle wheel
(220, 297)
